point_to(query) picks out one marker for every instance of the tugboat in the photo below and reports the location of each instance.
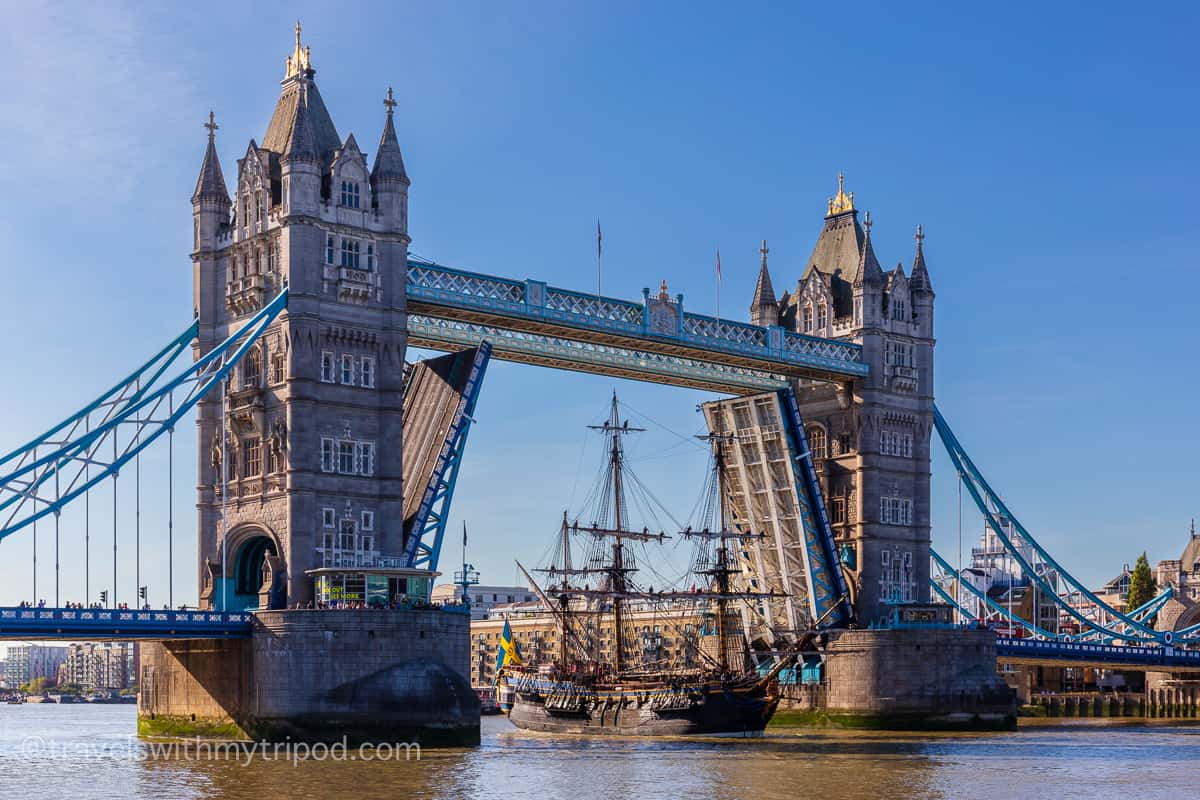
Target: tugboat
(598, 684)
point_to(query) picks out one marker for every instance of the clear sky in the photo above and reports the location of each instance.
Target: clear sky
(1048, 149)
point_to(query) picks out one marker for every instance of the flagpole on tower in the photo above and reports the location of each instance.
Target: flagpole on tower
(718, 284)
(599, 250)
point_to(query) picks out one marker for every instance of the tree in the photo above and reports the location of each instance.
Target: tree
(1142, 587)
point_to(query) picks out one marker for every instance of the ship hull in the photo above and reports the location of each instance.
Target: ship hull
(711, 710)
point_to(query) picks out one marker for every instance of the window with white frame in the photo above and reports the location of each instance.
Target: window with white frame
(345, 457)
(895, 511)
(328, 518)
(366, 371)
(366, 542)
(347, 369)
(278, 368)
(897, 581)
(818, 444)
(346, 535)
(366, 458)
(367, 521)
(327, 367)
(329, 248)
(253, 457)
(894, 443)
(327, 451)
(351, 251)
(351, 196)
(808, 318)
(822, 316)
(898, 354)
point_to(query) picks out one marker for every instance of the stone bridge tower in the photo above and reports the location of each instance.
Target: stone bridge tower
(871, 437)
(312, 440)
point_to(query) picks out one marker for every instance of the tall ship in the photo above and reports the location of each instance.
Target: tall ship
(608, 674)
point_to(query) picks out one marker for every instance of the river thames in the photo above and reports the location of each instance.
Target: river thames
(50, 751)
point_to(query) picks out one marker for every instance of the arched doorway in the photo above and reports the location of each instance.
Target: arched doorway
(249, 565)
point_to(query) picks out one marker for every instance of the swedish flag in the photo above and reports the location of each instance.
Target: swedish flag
(509, 652)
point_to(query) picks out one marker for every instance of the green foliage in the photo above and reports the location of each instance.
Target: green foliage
(35, 686)
(1142, 587)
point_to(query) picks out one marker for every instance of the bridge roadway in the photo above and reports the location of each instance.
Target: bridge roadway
(1106, 656)
(650, 340)
(101, 624)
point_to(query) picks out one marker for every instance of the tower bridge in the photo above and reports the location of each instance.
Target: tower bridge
(328, 462)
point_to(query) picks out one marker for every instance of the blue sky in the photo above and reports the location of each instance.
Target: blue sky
(1048, 151)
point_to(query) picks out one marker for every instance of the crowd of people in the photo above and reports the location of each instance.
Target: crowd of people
(98, 606)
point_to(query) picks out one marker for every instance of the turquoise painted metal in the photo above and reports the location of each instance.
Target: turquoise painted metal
(828, 593)
(41, 478)
(424, 547)
(654, 339)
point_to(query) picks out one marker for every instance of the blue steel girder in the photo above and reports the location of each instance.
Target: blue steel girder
(441, 333)
(531, 307)
(93, 624)
(1034, 651)
(48, 473)
(827, 585)
(424, 545)
(995, 511)
(983, 598)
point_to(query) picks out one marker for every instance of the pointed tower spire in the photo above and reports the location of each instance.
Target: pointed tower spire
(389, 164)
(869, 270)
(211, 183)
(764, 309)
(920, 273)
(302, 144)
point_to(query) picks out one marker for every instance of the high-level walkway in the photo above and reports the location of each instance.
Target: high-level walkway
(653, 339)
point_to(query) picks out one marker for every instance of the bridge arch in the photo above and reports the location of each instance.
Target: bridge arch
(1187, 618)
(256, 576)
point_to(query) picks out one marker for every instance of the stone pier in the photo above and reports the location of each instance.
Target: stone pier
(920, 678)
(367, 675)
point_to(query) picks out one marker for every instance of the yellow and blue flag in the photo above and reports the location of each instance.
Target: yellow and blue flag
(509, 652)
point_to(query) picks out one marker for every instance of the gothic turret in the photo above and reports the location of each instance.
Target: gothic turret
(210, 201)
(764, 310)
(922, 289)
(920, 273)
(868, 282)
(389, 180)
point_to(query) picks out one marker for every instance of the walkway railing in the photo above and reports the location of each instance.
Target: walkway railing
(110, 623)
(538, 302)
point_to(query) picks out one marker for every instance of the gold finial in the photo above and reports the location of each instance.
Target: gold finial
(390, 102)
(763, 250)
(212, 126)
(920, 237)
(301, 58)
(843, 202)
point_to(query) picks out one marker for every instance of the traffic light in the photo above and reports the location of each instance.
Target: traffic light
(104, 599)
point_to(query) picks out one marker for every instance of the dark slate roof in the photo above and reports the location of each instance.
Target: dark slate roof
(211, 183)
(298, 92)
(839, 247)
(868, 270)
(389, 164)
(302, 142)
(920, 273)
(764, 292)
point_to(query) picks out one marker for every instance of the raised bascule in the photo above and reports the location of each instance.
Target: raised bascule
(328, 463)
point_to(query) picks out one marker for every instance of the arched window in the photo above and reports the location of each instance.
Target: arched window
(370, 258)
(808, 318)
(818, 444)
(252, 370)
(822, 317)
(328, 249)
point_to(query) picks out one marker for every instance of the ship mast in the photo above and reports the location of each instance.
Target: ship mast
(618, 569)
